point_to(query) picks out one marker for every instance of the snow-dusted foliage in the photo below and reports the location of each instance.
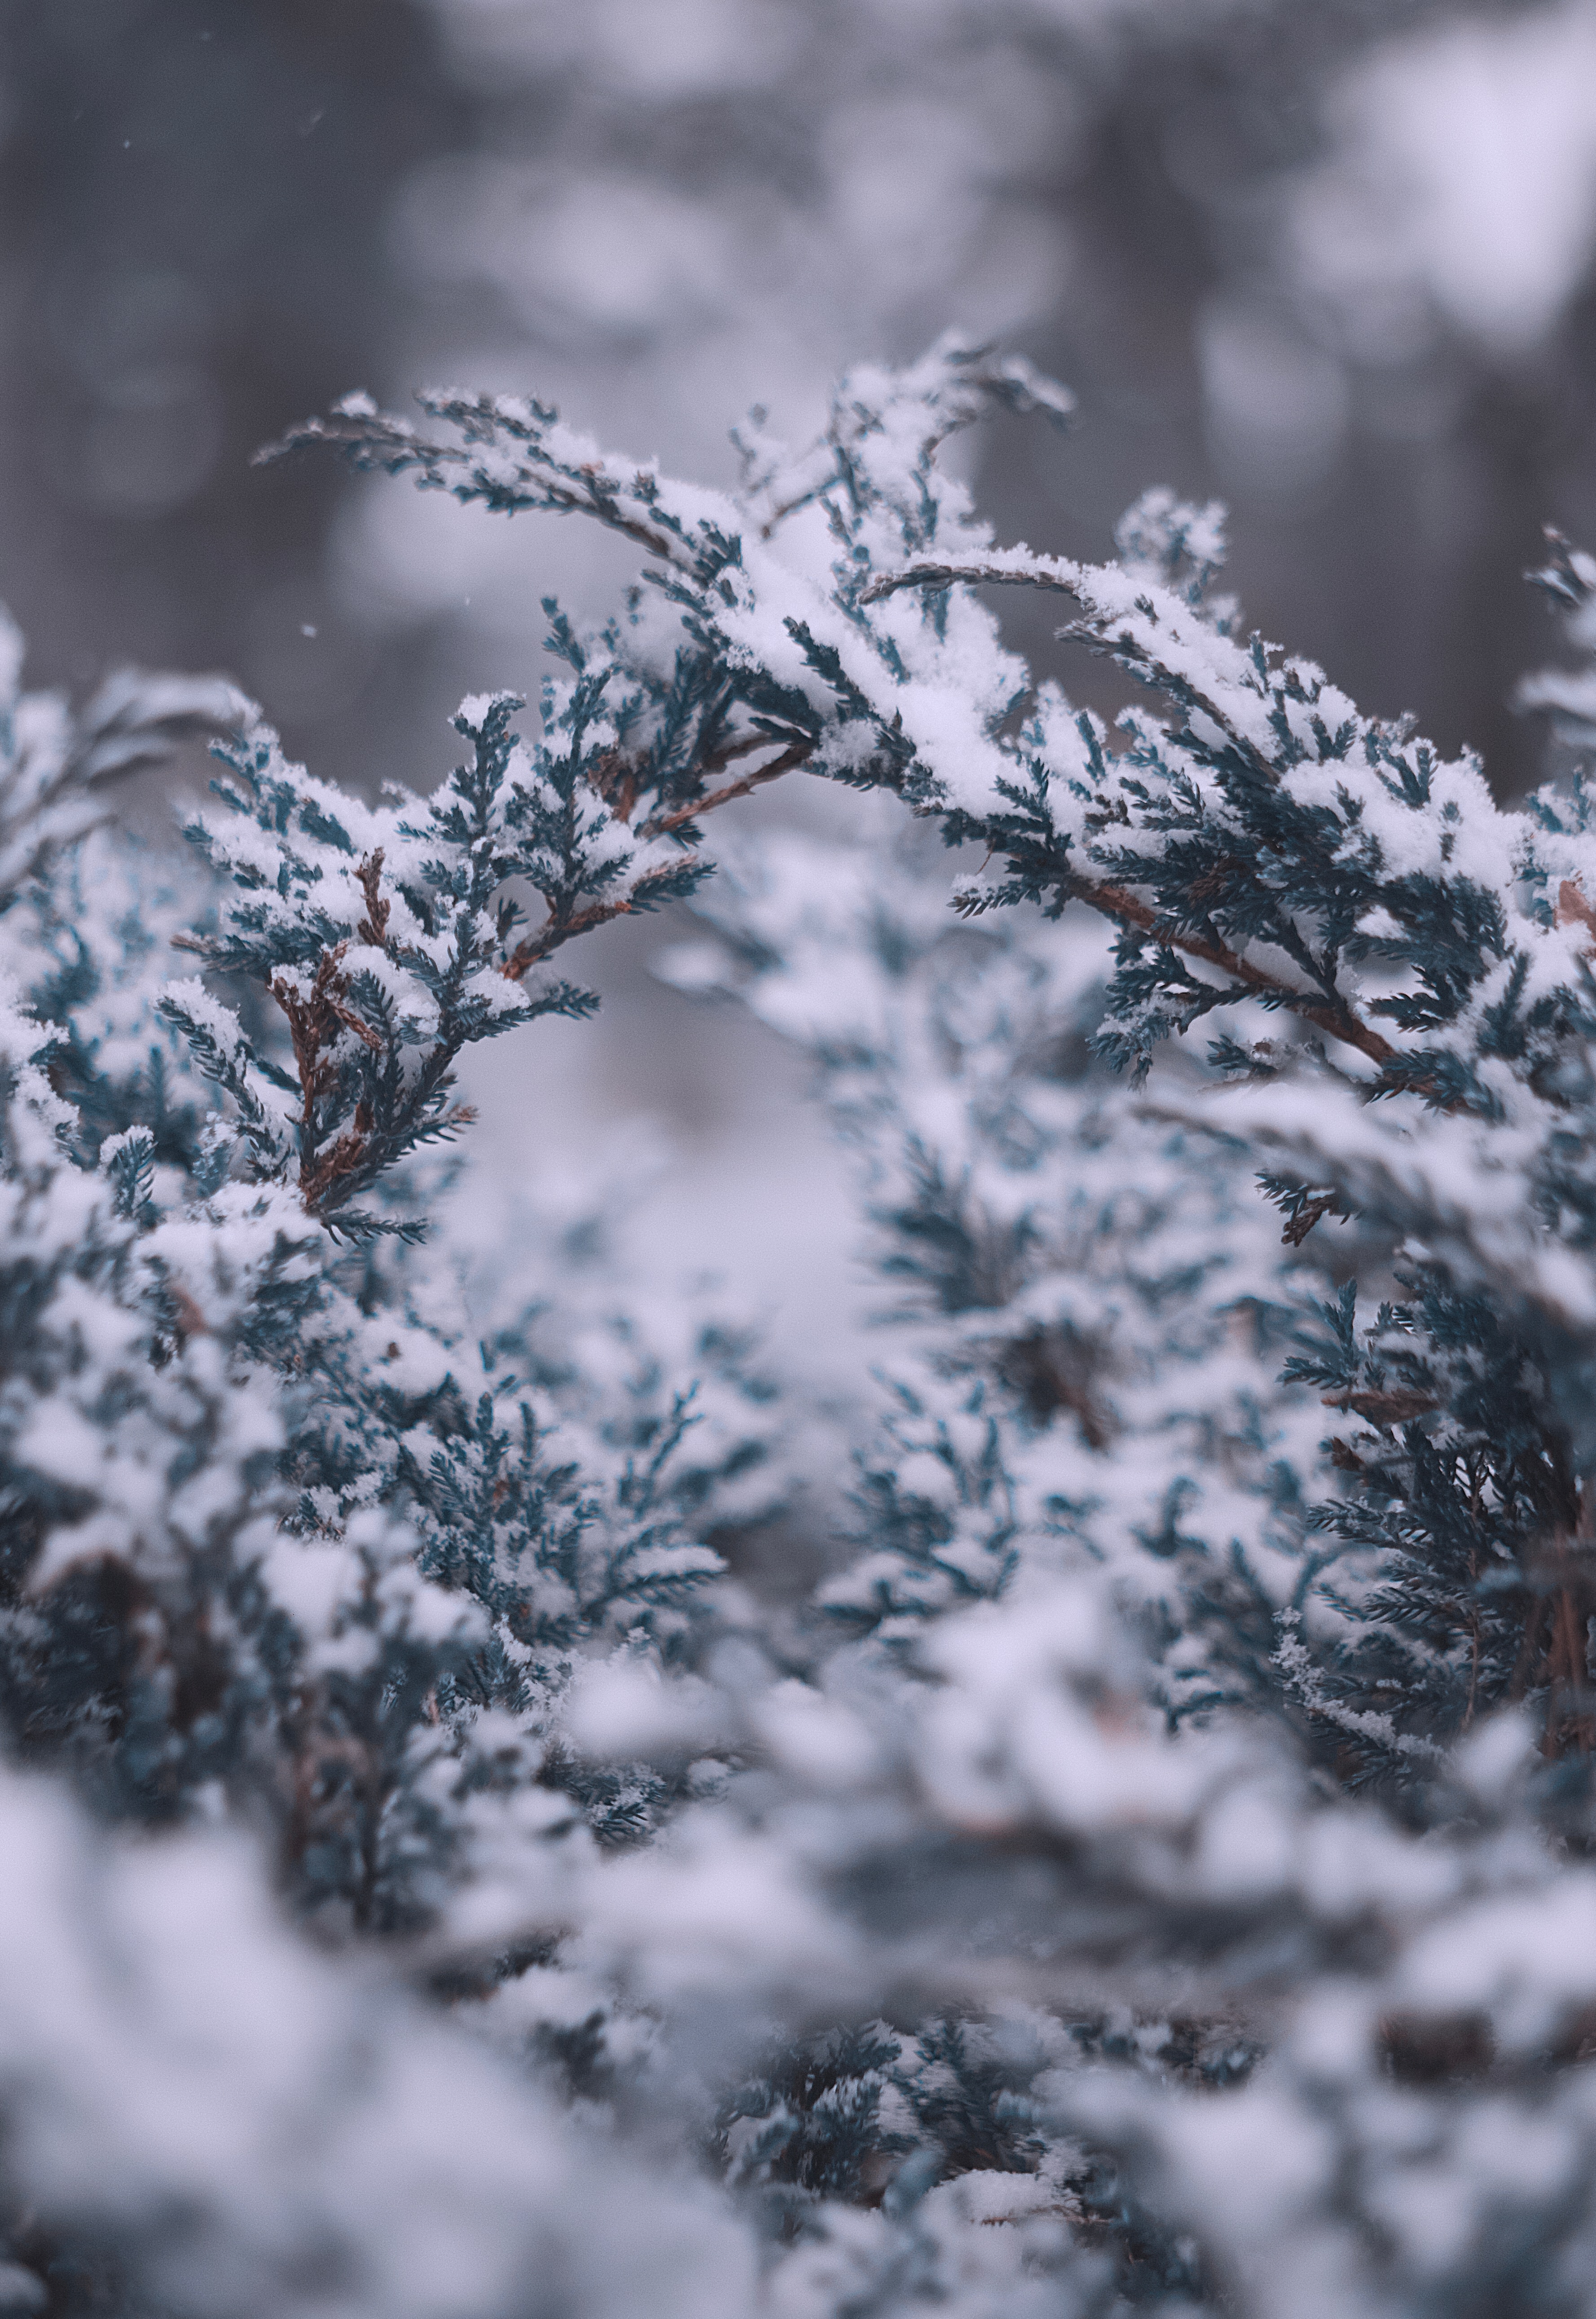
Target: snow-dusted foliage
(1084, 1294)
(1152, 1871)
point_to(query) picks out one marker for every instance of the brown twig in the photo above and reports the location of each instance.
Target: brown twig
(314, 1022)
(1398, 1408)
(660, 825)
(1297, 1228)
(1570, 1720)
(373, 928)
(187, 1319)
(554, 932)
(1524, 1660)
(715, 761)
(339, 1159)
(615, 777)
(1335, 1022)
(937, 576)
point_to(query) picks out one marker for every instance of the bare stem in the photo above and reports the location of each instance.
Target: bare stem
(659, 825)
(1335, 1022)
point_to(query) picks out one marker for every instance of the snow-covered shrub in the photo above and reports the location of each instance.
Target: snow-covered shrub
(1154, 1869)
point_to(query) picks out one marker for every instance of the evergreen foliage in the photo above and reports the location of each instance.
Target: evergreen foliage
(1154, 1869)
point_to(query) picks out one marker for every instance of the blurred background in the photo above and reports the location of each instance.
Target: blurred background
(1333, 260)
